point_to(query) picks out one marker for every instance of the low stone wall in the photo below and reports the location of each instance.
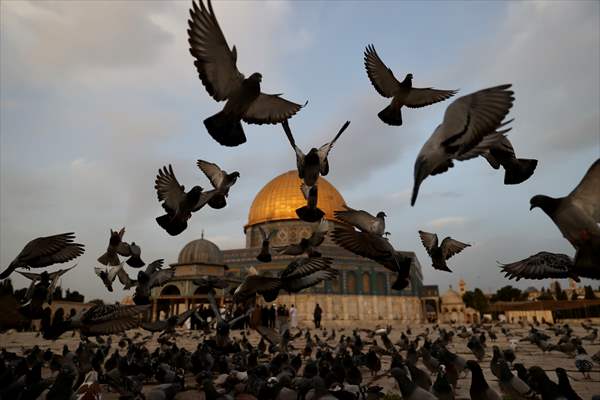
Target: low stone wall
(350, 310)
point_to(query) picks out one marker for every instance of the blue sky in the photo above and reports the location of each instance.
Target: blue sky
(95, 97)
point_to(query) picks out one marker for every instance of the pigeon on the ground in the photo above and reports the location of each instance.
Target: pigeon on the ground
(310, 212)
(480, 389)
(265, 249)
(583, 362)
(402, 93)
(216, 63)
(363, 220)
(516, 170)
(409, 389)
(512, 386)
(543, 265)
(565, 385)
(177, 203)
(577, 216)
(469, 129)
(46, 251)
(116, 247)
(220, 180)
(314, 163)
(307, 245)
(440, 253)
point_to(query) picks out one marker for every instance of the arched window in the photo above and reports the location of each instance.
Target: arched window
(366, 283)
(351, 282)
(170, 290)
(381, 283)
(335, 285)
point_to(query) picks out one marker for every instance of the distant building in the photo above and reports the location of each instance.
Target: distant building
(454, 310)
(361, 293)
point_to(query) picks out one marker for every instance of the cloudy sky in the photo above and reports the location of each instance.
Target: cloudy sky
(96, 96)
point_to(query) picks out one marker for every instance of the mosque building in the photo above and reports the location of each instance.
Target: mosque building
(362, 292)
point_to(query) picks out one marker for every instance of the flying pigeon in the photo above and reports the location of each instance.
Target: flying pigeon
(376, 248)
(307, 245)
(577, 216)
(310, 212)
(516, 170)
(108, 275)
(363, 220)
(52, 277)
(147, 279)
(221, 181)
(298, 275)
(45, 251)
(543, 265)
(178, 204)
(216, 63)
(116, 247)
(100, 319)
(402, 93)
(314, 163)
(439, 254)
(265, 250)
(135, 260)
(469, 129)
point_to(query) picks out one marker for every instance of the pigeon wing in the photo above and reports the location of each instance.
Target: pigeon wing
(112, 327)
(298, 284)
(451, 247)
(469, 118)
(426, 96)
(168, 188)
(299, 154)
(215, 175)
(46, 246)
(270, 109)
(161, 277)
(587, 193)
(429, 240)
(326, 148)
(215, 61)
(30, 275)
(66, 254)
(154, 266)
(542, 265)
(380, 75)
(305, 266)
(358, 218)
(362, 243)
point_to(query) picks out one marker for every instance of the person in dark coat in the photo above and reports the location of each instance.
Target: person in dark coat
(317, 316)
(272, 316)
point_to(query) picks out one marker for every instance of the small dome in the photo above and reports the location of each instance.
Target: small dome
(451, 297)
(200, 251)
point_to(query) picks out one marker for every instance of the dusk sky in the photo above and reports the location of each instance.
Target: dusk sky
(96, 96)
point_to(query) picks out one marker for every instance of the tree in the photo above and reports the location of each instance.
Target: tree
(509, 293)
(545, 295)
(589, 293)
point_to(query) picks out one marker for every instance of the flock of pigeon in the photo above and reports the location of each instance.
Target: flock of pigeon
(473, 125)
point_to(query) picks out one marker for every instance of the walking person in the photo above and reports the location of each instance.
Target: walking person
(317, 316)
(293, 317)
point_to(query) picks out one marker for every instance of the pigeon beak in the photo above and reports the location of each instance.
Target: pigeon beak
(531, 207)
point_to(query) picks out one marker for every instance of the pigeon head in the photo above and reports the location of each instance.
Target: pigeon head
(234, 176)
(546, 203)
(256, 77)
(195, 191)
(381, 214)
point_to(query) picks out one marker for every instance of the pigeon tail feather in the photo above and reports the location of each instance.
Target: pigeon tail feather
(225, 130)
(587, 260)
(264, 257)
(518, 170)
(309, 214)
(109, 259)
(217, 202)
(391, 116)
(173, 226)
(135, 262)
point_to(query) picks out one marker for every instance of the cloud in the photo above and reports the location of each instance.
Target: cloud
(443, 222)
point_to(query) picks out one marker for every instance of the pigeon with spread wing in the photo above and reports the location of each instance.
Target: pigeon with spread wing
(470, 129)
(220, 180)
(45, 251)
(402, 93)
(216, 64)
(178, 204)
(543, 265)
(440, 253)
(116, 247)
(577, 216)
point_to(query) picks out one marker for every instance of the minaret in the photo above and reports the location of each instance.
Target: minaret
(462, 287)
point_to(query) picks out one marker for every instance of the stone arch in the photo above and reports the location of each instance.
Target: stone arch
(170, 290)
(351, 282)
(366, 283)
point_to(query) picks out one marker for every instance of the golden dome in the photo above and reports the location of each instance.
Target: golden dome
(279, 199)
